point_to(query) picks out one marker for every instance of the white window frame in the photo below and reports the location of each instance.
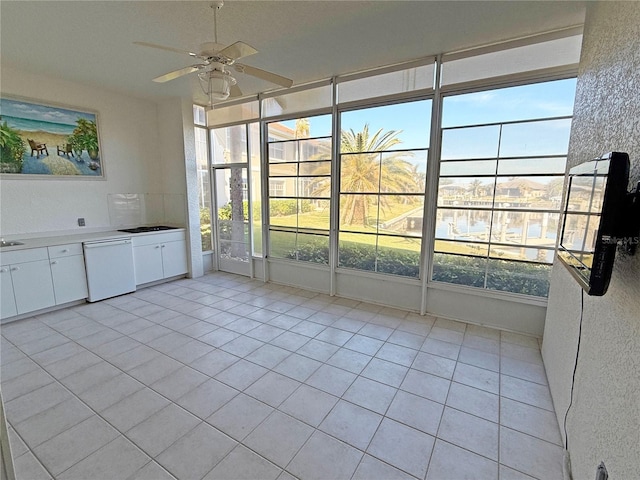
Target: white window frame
(335, 283)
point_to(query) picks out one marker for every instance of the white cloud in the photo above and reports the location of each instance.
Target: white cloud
(475, 99)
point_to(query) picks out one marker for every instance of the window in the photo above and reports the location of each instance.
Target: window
(417, 77)
(225, 115)
(204, 188)
(554, 52)
(276, 188)
(237, 133)
(223, 150)
(499, 169)
(500, 186)
(383, 167)
(229, 144)
(238, 144)
(276, 149)
(300, 188)
(199, 115)
(232, 214)
(290, 103)
(255, 166)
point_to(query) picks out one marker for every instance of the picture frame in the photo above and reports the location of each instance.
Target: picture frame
(43, 140)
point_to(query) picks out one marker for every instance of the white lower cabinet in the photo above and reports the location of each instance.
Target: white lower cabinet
(31, 282)
(158, 256)
(7, 298)
(174, 258)
(32, 286)
(38, 278)
(148, 263)
(68, 273)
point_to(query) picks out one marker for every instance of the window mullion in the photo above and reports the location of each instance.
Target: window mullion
(504, 173)
(493, 208)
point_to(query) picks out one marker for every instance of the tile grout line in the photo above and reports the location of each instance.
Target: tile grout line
(173, 402)
(120, 434)
(442, 415)
(123, 434)
(343, 316)
(389, 406)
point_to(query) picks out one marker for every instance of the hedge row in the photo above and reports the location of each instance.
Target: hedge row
(277, 208)
(282, 208)
(505, 275)
(516, 277)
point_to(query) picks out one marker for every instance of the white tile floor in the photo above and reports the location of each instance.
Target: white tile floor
(223, 377)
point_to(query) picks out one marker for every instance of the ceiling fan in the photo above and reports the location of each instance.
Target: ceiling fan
(215, 76)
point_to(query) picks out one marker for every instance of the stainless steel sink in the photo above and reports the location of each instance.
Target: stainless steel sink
(10, 244)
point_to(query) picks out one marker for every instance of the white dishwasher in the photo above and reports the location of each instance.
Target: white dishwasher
(110, 270)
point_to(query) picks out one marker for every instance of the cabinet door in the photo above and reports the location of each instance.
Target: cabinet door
(69, 278)
(148, 262)
(32, 286)
(174, 258)
(7, 300)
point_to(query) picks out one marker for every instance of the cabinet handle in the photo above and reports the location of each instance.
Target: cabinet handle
(13, 269)
(4, 270)
(162, 246)
(65, 250)
(157, 246)
(55, 262)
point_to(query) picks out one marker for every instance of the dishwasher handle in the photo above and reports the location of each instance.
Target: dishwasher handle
(107, 244)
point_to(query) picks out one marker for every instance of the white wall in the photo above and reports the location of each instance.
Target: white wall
(485, 308)
(604, 420)
(178, 163)
(130, 153)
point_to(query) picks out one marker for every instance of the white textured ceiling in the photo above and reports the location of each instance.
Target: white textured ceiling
(91, 41)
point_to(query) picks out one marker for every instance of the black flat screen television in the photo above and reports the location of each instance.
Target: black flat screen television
(594, 213)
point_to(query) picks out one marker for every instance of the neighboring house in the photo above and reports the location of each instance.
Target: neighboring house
(520, 187)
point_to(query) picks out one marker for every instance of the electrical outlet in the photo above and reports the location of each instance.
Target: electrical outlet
(81, 222)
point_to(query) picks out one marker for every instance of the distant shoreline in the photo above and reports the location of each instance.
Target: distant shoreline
(51, 140)
(29, 125)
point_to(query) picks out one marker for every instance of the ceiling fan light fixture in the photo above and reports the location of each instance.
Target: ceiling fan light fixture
(216, 84)
(214, 78)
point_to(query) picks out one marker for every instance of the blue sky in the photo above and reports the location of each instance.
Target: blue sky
(541, 100)
(412, 119)
(32, 111)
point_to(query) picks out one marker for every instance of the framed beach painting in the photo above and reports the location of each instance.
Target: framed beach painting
(48, 141)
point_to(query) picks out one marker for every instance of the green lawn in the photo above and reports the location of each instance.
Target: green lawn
(282, 242)
(316, 219)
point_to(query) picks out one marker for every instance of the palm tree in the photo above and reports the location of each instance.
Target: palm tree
(362, 166)
(302, 128)
(11, 144)
(554, 188)
(236, 193)
(474, 187)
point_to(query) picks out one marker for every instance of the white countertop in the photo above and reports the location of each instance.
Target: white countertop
(61, 239)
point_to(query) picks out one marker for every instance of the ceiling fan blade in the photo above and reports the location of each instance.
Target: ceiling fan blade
(264, 75)
(238, 50)
(235, 91)
(169, 49)
(177, 73)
